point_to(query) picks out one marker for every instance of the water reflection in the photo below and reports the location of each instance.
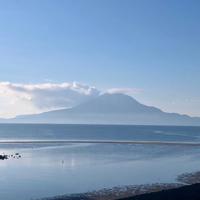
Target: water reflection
(59, 169)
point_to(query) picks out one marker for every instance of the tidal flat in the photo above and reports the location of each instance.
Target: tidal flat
(59, 169)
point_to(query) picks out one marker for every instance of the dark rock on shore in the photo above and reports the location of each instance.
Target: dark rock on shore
(189, 178)
(3, 157)
(191, 192)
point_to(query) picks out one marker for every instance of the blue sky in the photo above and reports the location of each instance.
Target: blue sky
(150, 45)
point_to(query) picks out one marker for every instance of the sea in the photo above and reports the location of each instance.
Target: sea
(51, 169)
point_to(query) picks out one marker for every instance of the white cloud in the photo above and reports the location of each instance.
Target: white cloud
(128, 91)
(18, 99)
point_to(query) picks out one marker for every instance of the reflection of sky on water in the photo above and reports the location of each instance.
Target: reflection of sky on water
(119, 132)
(53, 170)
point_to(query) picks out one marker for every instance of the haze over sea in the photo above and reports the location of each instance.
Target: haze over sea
(46, 170)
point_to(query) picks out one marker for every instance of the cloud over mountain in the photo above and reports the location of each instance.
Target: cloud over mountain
(20, 99)
(128, 91)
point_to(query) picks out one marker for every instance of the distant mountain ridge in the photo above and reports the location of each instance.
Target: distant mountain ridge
(109, 109)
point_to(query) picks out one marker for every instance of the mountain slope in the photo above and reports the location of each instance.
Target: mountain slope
(114, 103)
(110, 109)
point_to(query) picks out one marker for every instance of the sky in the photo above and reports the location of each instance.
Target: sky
(59, 53)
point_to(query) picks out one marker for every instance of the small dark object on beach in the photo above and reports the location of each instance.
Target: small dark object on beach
(3, 157)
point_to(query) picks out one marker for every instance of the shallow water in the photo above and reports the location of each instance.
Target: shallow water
(48, 170)
(104, 132)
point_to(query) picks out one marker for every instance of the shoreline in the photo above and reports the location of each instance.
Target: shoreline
(117, 192)
(132, 191)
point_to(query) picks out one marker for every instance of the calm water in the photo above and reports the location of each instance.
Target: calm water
(49, 170)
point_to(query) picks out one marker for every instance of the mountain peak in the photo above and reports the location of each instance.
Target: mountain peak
(117, 96)
(112, 103)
